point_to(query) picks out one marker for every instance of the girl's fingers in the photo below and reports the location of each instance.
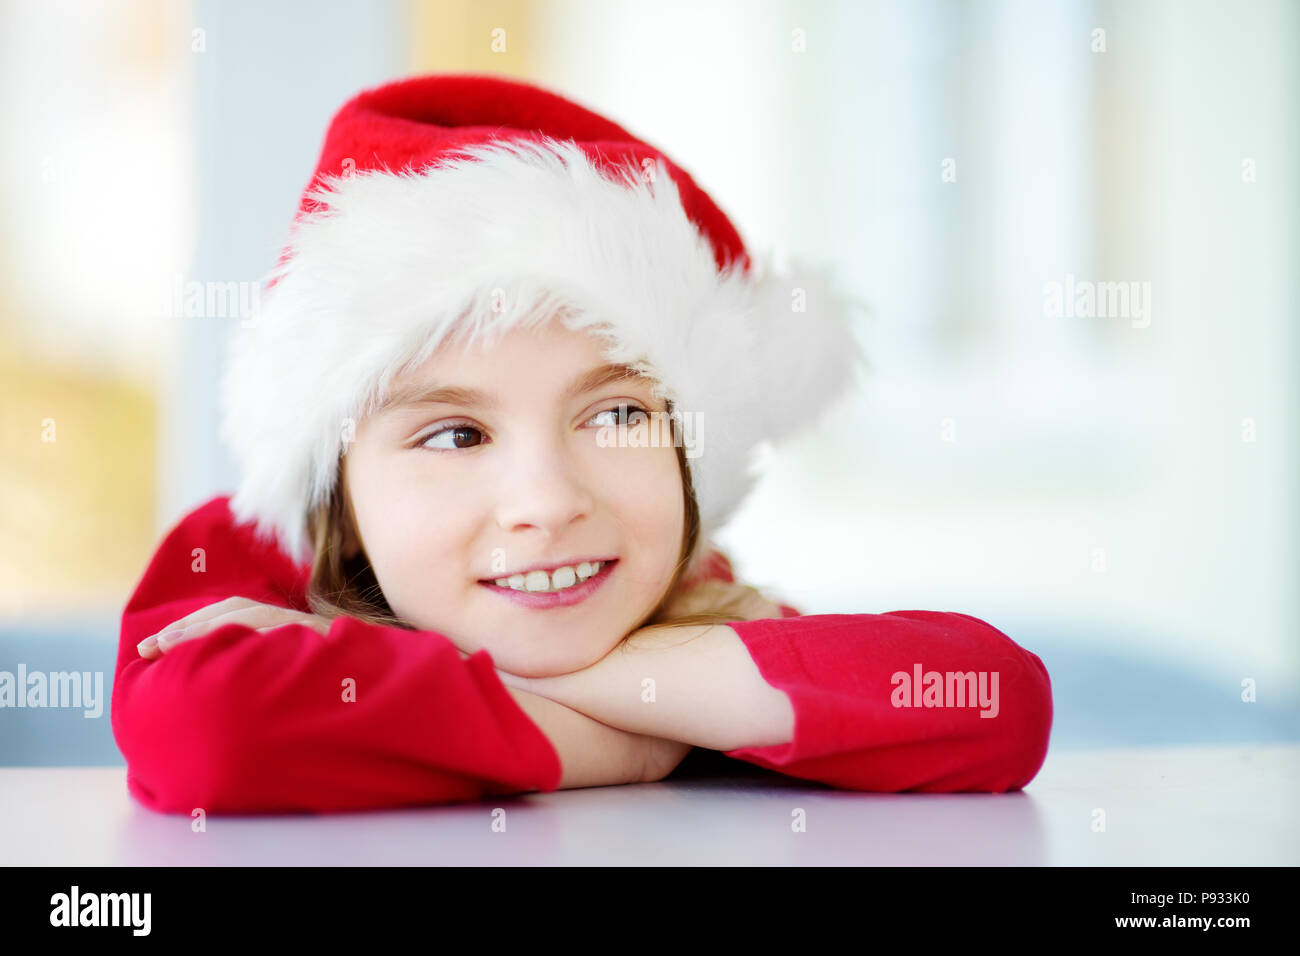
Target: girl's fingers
(171, 639)
(205, 613)
(259, 617)
(317, 624)
(154, 645)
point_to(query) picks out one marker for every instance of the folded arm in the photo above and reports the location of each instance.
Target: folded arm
(822, 697)
(293, 716)
(694, 684)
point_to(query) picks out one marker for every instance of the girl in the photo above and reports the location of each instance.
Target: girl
(504, 388)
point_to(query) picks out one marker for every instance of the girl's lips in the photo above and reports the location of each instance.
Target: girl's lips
(565, 598)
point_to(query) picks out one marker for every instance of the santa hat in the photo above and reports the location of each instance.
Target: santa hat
(459, 203)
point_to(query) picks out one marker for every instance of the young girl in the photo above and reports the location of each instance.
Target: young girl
(504, 388)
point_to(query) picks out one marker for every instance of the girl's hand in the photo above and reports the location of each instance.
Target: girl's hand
(594, 754)
(740, 601)
(235, 610)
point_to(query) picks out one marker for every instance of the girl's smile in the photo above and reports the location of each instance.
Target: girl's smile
(575, 593)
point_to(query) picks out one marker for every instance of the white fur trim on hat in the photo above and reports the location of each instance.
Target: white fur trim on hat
(394, 262)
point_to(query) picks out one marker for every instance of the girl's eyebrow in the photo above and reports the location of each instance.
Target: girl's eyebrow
(420, 394)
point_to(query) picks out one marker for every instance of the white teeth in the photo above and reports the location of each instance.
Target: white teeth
(557, 580)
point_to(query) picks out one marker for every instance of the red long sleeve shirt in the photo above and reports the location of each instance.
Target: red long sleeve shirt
(243, 722)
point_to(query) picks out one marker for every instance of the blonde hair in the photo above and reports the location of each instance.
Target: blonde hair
(341, 586)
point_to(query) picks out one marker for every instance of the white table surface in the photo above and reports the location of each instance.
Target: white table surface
(1218, 806)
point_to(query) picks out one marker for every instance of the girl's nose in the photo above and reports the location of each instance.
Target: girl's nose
(544, 493)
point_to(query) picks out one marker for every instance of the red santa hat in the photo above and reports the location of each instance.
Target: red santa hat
(469, 204)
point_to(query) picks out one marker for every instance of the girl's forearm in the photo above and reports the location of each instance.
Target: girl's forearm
(693, 684)
(593, 754)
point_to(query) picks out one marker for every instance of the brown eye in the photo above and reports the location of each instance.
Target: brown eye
(461, 436)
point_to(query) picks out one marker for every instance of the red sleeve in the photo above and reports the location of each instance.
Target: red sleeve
(852, 729)
(244, 722)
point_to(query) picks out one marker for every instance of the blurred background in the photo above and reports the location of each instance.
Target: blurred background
(1114, 488)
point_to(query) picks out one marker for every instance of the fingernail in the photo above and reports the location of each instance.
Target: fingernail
(149, 643)
(168, 636)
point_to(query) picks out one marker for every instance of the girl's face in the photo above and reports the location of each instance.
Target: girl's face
(513, 471)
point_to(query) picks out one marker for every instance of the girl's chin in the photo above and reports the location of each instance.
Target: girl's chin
(539, 665)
